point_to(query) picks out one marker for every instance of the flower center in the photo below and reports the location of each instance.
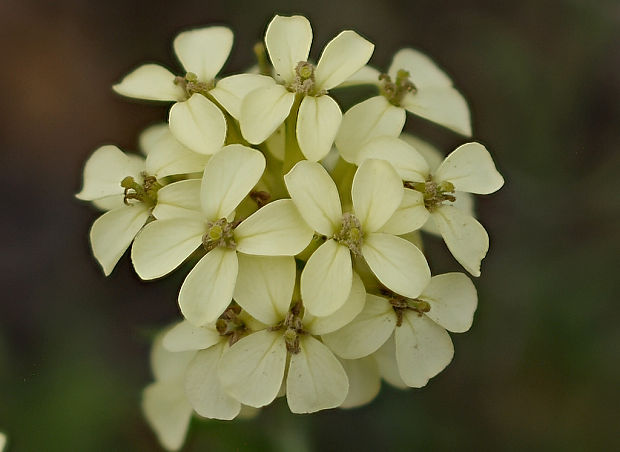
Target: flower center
(395, 91)
(219, 233)
(434, 194)
(229, 324)
(402, 304)
(294, 328)
(146, 193)
(192, 85)
(304, 82)
(350, 234)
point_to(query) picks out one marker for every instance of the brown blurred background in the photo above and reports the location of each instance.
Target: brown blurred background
(540, 369)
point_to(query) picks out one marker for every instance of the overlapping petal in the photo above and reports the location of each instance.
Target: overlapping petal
(184, 336)
(423, 349)
(327, 278)
(453, 300)
(317, 124)
(263, 110)
(346, 313)
(405, 159)
(265, 286)
(208, 288)
(366, 333)
(203, 388)
(342, 57)
(113, 232)
(276, 229)
(164, 244)
(228, 178)
(315, 194)
(179, 200)
(198, 124)
(231, 91)
(445, 106)
(316, 380)
(410, 215)
(364, 381)
(372, 118)
(252, 369)
(377, 192)
(397, 263)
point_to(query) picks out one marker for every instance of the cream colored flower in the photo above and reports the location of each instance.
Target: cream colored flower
(164, 402)
(370, 231)
(423, 347)
(254, 368)
(288, 41)
(202, 385)
(202, 53)
(275, 229)
(120, 184)
(414, 83)
(469, 168)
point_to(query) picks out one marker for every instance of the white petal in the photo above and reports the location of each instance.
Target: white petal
(164, 244)
(203, 389)
(231, 91)
(208, 288)
(276, 229)
(168, 412)
(470, 168)
(252, 369)
(397, 263)
(464, 202)
(179, 200)
(406, 160)
(385, 358)
(104, 171)
(113, 232)
(466, 239)
(198, 124)
(288, 42)
(367, 75)
(166, 155)
(345, 314)
(431, 154)
(150, 82)
(445, 106)
(185, 336)
(377, 192)
(315, 194)
(423, 349)
(228, 178)
(366, 333)
(364, 381)
(453, 300)
(375, 117)
(410, 215)
(263, 110)
(423, 72)
(327, 278)
(342, 57)
(317, 125)
(316, 379)
(204, 51)
(265, 286)
(167, 365)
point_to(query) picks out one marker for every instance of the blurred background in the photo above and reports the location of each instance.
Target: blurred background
(540, 368)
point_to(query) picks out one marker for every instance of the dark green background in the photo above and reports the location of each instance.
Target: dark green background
(539, 369)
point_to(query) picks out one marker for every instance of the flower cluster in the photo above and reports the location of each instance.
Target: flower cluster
(300, 224)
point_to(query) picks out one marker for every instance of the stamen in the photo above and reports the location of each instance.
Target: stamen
(219, 233)
(395, 91)
(434, 194)
(350, 234)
